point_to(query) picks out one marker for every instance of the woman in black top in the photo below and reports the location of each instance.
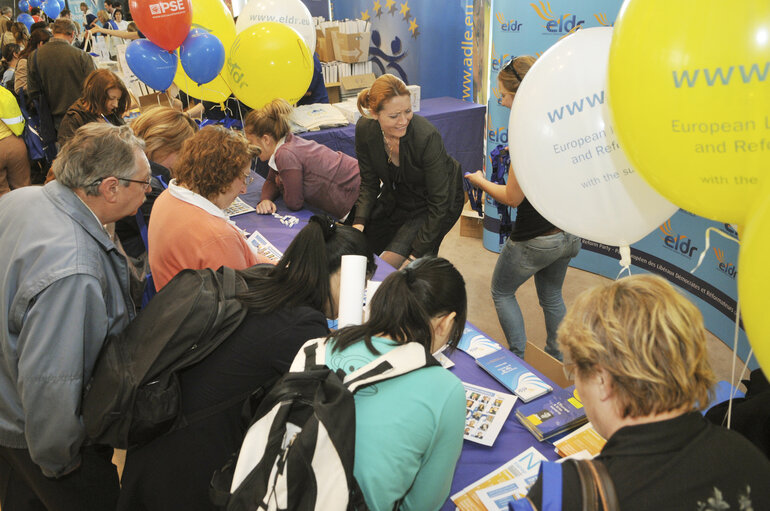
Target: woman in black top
(411, 189)
(637, 350)
(535, 247)
(104, 99)
(288, 305)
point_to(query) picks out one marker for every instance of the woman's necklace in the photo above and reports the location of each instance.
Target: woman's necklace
(388, 149)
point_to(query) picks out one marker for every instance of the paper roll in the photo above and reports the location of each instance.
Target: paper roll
(352, 284)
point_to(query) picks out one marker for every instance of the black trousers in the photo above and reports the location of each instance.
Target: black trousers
(92, 486)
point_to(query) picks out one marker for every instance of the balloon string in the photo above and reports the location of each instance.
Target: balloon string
(708, 244)
(734, 388)
(625, 261)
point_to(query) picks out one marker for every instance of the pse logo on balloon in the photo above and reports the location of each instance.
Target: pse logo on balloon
(164, 7)
(557, 24)
(677, 242)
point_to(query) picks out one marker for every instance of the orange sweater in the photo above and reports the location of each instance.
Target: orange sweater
(181, 235)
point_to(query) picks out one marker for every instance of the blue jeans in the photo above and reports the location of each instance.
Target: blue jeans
(545, 257)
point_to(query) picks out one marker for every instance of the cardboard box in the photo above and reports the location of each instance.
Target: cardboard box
(323, 45)
(471, 224)
(356, 82)
(546, 364)
(154, 99)
(351, 47)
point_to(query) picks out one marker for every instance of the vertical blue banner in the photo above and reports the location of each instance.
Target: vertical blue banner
(423, 42)
(524, 27)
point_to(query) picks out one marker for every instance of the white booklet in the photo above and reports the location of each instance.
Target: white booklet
(486, 411)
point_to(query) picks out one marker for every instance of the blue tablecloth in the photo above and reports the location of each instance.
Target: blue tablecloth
(460, 123)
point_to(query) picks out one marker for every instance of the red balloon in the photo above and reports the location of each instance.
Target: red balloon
(165, 22)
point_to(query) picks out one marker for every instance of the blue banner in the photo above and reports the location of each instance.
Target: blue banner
(423, 42)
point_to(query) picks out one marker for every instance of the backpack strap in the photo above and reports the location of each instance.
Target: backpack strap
(402, 359)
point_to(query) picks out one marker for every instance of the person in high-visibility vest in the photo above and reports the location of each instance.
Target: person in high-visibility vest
(14, 163)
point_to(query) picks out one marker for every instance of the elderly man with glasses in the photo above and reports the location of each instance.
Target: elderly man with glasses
(64, 287)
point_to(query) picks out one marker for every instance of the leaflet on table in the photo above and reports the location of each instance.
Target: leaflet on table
(498, 496)
(510, 370)
(264, 247)
(238, 207)
(524, 465)
(476, 345)
(585, 438)
(554, 414)
(486, 412)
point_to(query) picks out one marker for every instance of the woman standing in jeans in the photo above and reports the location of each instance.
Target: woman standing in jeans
(535, 247)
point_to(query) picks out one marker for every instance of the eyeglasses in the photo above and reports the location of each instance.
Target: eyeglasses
(248, 179)
(147, 184)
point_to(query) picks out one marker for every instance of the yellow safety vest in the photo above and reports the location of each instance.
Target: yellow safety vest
(10, 113)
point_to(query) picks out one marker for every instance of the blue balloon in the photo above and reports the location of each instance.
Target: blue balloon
(26, 19)
(202, 55)
(151, 64)
(51, 8)
(35, 3)
(23, 6)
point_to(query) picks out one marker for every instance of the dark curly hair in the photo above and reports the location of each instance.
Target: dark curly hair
(211, 160)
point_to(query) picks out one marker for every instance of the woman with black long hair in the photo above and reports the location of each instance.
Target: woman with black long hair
(288, 304)
(409, 429)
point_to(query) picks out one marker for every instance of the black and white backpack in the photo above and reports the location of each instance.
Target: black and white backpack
(299, 451)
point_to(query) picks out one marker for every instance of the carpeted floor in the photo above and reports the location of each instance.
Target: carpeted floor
(476, 264)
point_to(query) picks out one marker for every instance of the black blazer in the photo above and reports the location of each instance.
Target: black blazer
(423, 154)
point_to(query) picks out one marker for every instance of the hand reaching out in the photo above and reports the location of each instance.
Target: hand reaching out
(266, 207)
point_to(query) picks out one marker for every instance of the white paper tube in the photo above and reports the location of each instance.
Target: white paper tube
(352, 284)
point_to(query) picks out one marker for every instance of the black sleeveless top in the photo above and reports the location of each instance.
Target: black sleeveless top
(529, 223)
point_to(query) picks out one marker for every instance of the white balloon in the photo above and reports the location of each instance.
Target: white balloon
(289, 12)
(566, 154)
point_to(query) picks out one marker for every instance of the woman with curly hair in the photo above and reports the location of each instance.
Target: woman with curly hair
(189, 228)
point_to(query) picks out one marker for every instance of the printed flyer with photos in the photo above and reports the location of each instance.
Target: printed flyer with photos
(485, 413)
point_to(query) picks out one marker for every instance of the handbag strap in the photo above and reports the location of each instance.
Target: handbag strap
(596, 486)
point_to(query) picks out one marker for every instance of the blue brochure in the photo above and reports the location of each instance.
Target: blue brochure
(510, 370)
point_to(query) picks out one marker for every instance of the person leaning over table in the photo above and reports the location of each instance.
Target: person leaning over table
(300, 170)
(411, 189)
(189, 228)
(637, 349)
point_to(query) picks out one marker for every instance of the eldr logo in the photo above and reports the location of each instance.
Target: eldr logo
(561, 24)
(725, 267)
(677, 242)
(507, 25)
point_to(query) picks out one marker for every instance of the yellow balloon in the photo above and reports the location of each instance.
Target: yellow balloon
(689, 89)
(267, 61)
(754, 279)
(214, 17)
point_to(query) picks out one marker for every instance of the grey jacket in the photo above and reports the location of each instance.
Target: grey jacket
(63, 288)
